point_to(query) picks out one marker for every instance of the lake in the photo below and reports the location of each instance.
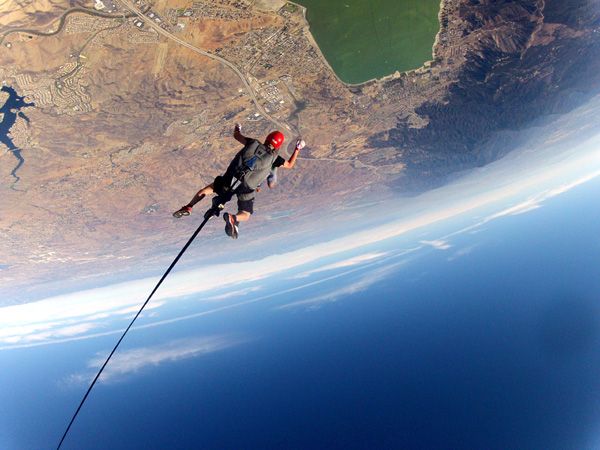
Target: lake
(366, 39)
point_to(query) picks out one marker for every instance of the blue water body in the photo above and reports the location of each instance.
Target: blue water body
(491, 344)
(10, 111)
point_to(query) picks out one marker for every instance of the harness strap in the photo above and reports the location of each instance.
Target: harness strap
(250, 156)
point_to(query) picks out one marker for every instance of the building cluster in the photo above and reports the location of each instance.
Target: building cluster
(211, 9)
(172, 16)
(269, 47)
(20, 134)
(138, 23)
(272, 96)
(450, 33)
(38, 90)
(241, 5)
(158, 19)
(68, 90)
(254, 117)
(142, 5)
(108, 6)
(141, 35)
(79, 23)
(272, 58)
(107, 28)
(146, 9)
(288, 10)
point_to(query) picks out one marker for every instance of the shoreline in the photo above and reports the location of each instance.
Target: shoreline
(393, 76)
(436, 41)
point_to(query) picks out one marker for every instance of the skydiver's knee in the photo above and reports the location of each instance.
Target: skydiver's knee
(207, 189)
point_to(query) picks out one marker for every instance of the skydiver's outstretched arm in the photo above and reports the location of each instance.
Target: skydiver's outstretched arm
(290, 163)
(237, 134)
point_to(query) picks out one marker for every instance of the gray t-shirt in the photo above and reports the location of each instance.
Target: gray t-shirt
(264, 161)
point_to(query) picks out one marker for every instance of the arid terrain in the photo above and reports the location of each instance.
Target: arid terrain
(131, 105)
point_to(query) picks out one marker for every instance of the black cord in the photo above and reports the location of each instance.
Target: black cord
(207, 217)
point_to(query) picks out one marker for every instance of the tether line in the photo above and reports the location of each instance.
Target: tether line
(189, 242)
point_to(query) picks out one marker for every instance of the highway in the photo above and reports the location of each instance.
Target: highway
(279, 124)
(133, 12)
(131, 7)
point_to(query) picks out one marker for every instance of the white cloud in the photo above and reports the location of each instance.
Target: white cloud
(132, 361)
(185, 317)
(58, 330)
(56, 333)
(361, 284)
(23, 335)
(134, 309)
(232, 294)
(520, 208)
(532, 203)
(438, 244)
(350, 262)
(461, 252)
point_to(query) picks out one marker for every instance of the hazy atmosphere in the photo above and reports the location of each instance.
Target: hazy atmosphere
(419, 267)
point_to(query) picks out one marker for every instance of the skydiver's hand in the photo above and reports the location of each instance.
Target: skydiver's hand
(238, 128)
(300, 144)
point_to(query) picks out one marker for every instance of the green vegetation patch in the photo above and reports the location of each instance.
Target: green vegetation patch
(365, 39)
(290, 7)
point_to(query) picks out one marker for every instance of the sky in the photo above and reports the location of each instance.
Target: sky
(311, 301)
(399, 328)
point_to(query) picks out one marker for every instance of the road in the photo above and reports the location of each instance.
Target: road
(294, 132)
(149, 22)
(133, 11)
(61, 23)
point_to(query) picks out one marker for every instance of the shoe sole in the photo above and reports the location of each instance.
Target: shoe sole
(179, 214)
(230, 229)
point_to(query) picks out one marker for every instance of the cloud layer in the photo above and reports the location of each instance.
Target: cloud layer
(129, 362)
(523, 181)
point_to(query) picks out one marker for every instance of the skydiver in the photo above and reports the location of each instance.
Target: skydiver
(251, 165)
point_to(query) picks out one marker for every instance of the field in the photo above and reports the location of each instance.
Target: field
(365, 39)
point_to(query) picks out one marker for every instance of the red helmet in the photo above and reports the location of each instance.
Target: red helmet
(275, 139)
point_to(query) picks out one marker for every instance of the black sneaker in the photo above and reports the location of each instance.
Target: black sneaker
(184, 211)
(231, 226)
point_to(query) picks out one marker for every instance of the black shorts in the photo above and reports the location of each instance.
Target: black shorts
(246, 205)
(244, 194)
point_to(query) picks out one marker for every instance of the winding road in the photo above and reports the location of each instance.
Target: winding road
(223, 61)
(133, 12)
(61, 22)
(292, 130)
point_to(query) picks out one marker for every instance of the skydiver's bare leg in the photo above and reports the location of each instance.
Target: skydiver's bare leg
(201, 194)
(242, 216)
(187, 209)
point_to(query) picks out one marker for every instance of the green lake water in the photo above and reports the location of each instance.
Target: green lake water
(365, 39)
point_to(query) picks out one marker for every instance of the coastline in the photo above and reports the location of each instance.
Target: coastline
(393, 76)
(436, 41)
